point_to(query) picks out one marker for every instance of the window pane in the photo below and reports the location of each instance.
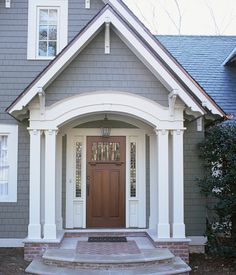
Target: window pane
(53, 16)
(78, 169)
(43, 32)
(4, 167)
(52, 33)
(43, 17)
(106, 151)
(52, 48)
(42, 48)
(132, 169)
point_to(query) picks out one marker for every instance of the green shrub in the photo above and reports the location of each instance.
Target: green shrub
(218, 152)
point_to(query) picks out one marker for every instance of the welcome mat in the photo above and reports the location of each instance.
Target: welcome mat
(107, 248)
(107, 239)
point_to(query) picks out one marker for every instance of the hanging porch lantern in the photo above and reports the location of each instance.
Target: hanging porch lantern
(105, 127)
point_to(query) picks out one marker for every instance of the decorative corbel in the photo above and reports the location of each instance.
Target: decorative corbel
(107, 36)
(87, 4)
(8, 3)
(200, 124)
(172, 100)
(41, 94)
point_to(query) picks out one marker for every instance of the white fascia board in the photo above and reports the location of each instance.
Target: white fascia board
(149, 59)
(206, 101)
(11, 242)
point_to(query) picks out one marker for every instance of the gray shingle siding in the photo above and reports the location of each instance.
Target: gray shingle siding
(195, 210)
(92, 71)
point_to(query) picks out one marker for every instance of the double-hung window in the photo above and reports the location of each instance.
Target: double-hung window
(47, 39)
(8, 162)
(47, 28)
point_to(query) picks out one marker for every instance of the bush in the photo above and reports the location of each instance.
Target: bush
(218, 152)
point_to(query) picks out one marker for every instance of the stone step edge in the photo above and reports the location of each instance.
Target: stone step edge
(70, 256)
(178, 266)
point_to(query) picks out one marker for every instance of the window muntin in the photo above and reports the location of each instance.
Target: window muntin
(4, 166)
(47, 32)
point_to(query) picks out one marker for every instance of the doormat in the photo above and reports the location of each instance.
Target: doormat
(107, 239)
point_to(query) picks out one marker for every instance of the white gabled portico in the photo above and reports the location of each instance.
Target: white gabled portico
(166, 135)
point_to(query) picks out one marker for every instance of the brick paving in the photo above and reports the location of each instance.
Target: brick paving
(107, 248)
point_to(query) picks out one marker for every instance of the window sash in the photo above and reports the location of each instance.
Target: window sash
(48, 42)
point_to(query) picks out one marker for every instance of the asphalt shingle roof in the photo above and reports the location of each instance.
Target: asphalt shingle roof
(202, 57)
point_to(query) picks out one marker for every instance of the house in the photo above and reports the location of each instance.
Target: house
(100, 121)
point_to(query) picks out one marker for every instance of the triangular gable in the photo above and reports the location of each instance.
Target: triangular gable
(132, 40)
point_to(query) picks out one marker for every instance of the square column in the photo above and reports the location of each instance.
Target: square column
(50, 185)
(178, 226)
(34, 227)
(163, 224)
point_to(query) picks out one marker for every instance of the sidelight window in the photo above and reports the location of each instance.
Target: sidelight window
(133, 169)
(78, 187)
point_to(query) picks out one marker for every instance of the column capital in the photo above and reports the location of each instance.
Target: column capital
(161, 131)
(35, 132)
(177, 132)
(50, 132)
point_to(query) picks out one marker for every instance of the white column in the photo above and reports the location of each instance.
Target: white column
(163, 225)
(178, 227)
(153, 183)
(50, 185)
(59, 182)
(34, 227)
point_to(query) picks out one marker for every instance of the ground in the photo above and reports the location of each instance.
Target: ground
(12, 263)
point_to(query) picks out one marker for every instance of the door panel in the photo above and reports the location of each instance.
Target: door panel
(106, 182)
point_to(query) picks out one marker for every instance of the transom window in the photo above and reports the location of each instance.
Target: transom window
(48, 32)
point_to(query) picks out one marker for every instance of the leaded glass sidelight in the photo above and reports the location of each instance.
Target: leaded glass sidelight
(78, 173)
(47, 32)
(106, 151)
(4, 166)
(133, 169)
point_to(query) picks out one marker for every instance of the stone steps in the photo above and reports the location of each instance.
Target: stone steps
(69, 258)
(175, 266)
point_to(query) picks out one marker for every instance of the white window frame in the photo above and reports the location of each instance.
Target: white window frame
(11, 131)
(62, 28)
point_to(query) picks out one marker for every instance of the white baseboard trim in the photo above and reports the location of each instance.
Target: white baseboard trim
(11, 242)
(197, 240)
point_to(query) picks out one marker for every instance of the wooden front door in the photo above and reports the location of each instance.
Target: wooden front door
(106, 182)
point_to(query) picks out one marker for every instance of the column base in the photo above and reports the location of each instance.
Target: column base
(50, 232)
(163, 230)
(178, 230)
(34, 231)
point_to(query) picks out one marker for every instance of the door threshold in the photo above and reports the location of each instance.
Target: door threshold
(91, 230)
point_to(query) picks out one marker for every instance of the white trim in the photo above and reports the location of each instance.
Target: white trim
(80, 134)
(33, 6)
(132, 41)
(87, 4)
(137, 25)
(140, 107)
(11, 242)
(7, 3)
(11, 131)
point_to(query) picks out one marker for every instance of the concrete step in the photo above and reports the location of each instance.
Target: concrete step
(69, 258)
(175, 266)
